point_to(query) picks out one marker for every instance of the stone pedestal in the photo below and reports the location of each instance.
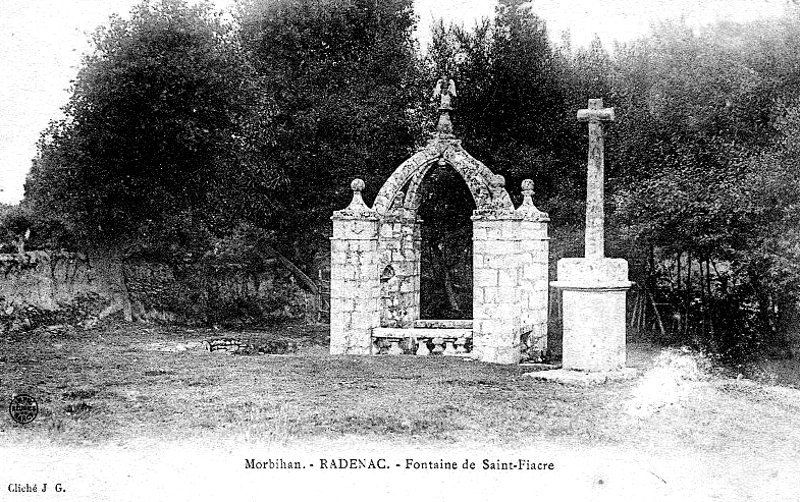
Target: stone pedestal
(509, 297)
(496, 302)
(355, 277)
(594, 291)
(535, 258)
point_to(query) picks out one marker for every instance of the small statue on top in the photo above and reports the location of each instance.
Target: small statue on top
(445, 90)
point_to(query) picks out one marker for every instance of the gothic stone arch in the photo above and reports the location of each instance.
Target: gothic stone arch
(375, 268)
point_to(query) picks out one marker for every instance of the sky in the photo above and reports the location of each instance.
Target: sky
(41, 43)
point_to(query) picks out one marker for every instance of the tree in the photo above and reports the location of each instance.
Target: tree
(155, 144)
(343, 79)
(705, 194)
(15, 227)
(511, 110)
(514, 113)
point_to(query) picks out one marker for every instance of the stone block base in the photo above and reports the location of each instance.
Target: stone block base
(594, 306)
(353, 342)
(498, 355)
(572, 377)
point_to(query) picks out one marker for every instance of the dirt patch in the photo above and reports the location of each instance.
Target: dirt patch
(673, 377)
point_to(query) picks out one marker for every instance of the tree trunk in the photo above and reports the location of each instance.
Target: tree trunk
(109, 265)
(688, 298)
(658, 316)
(265, 249)
(451, 294)
(680, 320)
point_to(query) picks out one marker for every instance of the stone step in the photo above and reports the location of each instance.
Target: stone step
(421, 333)
(444, 323)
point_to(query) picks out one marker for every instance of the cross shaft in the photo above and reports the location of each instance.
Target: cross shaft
(595, 115)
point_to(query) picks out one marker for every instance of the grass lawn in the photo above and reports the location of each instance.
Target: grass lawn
(115, 384)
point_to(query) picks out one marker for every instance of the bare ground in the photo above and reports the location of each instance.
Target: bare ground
(675, 431)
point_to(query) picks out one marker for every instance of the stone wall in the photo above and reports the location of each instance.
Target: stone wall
(511, 289)
(43, 287)
(227, 292)
(399, 248)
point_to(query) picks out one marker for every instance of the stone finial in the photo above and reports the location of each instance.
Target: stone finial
(357, 185)
(527, 187)
(444, 127)
(397, 203)
(357, 206)
(500, 201)
(528, 209)
(497, 184)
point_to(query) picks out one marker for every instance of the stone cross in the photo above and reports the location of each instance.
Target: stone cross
(595, 216)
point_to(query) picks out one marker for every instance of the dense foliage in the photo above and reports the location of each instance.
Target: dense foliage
(707, 194)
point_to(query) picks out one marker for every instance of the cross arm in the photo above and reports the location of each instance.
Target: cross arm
(596, 115)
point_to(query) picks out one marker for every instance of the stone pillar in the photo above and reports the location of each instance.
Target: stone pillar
(355, 277)
(534, 281)
(497, 268)
(399, 248)
(412, 234)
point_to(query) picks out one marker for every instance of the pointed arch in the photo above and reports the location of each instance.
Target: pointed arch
(487, 189)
